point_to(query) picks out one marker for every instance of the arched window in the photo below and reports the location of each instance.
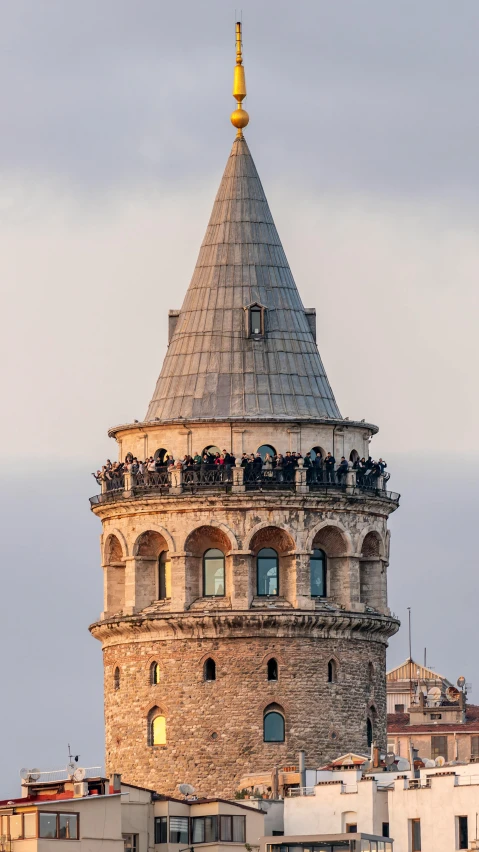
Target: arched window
(209, 669)
(273, 724)
(353, 456)
(164, 576)
(210, 451)
(156, 728)
(369, 731)
(317, 451)
(266, 448)
(213, 573)
(272, 669)
(332, 671)
(318, 574)
(116, 678)
(268, 572)
(162, 455)
(155, 673)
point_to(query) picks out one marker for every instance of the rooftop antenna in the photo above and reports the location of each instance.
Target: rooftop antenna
(239, 118)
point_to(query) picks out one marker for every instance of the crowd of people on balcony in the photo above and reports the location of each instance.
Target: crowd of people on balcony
(266, 464)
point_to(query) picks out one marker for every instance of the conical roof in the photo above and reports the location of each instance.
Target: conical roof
(212, 369)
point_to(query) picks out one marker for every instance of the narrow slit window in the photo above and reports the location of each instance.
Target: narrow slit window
(272, 669)
(116, 678)
(209, 669)
(332, 671)
(256, 320)
(154, 673)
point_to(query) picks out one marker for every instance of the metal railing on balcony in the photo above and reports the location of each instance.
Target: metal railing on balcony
(176, 480)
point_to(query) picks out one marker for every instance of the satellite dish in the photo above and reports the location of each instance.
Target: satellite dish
(403, 764)
(461, 682)
(452, 694)
(440, 761)
(186, 789)
(434, 693)
(390, 758)
(25, 774)
(429, 764)
(79, 774)
(34, 774)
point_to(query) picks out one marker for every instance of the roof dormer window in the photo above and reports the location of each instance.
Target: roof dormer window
(255, 320)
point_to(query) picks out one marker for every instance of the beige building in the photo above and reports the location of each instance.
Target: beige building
(116, 817)
(245, 613)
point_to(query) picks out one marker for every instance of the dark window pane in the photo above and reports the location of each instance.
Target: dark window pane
(210, 669)
(161, 824)
(68, 826)
(179, 830)
(211, 829)
(369, 732)
(318, 574)
(239, 829)
(463, 833)
(48, 825)
(416, 835)
(214, 573)
(264, 449)
(438, 747)
(385, 829)
(273, 728)
(351, 828)
(399, 708)
(272, 669)
(255, 315)
(267, 566)
(474, 746)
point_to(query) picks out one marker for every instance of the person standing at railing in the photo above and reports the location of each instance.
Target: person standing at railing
(361, 471)
(268, 466)
(288, 467)
(329, 463)
(382, 465)
(308, 466)
(257, 466)
(342, 470)
(318, 468)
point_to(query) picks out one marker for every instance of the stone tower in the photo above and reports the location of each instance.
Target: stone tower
(245, 610)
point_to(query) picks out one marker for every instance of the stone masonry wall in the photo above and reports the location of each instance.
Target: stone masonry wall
(215, 729)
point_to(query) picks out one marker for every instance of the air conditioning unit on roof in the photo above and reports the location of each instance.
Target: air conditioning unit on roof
(80, 789)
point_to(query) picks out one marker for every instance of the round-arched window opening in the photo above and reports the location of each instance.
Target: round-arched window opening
(264, 449)
(154, 673)
(353, 456)
(272, 669)
(211, 453)
(267, 572)
(209, 669)
(317, 451)
(332, 671)
(161, 455)
(157, 730)
(214, 573)
(369, 731)
(318, 574)
(273, 726)
(164, 576)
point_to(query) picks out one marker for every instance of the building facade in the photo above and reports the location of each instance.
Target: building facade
(245, 609)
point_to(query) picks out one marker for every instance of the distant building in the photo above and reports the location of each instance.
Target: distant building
(119, 817)
(427, 712)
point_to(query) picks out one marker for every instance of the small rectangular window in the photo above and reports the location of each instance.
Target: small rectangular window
(255, 320)
(204, 829)
(436, 716)
(179, 830)
(239, 829)
(29, 825)
(47, 825)
(399, 708)
(438, 747)
(351, 827)
(161, 826)
(385, 829)
(474, 746)
(130, 842)
(463, 833)
(415, 835)
(16, 828)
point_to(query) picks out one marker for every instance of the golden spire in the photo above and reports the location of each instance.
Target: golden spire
(239, 118)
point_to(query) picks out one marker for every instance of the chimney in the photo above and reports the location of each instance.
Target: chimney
(115, 783)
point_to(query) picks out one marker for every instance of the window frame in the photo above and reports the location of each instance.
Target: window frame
(462, 841)
(415, 847)
(134, 839)
(323, 562)
(205, 555)
(258, 557)
(161, 822)
(274, 711)
(57, 815)
(155, 673)
(183, 819)
(231, 819)
(474, 746)
(260, 309)
(435, 749)
(201, 820)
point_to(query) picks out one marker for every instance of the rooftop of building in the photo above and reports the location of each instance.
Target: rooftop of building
(398, 723)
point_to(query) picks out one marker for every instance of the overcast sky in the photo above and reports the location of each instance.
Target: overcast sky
(114, 135)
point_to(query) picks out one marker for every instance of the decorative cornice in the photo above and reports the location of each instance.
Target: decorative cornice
(245, 624)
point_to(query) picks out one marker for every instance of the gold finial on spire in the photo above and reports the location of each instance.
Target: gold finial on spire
(239, 118)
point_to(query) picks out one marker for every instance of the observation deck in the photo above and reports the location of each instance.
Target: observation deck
(215, 479)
